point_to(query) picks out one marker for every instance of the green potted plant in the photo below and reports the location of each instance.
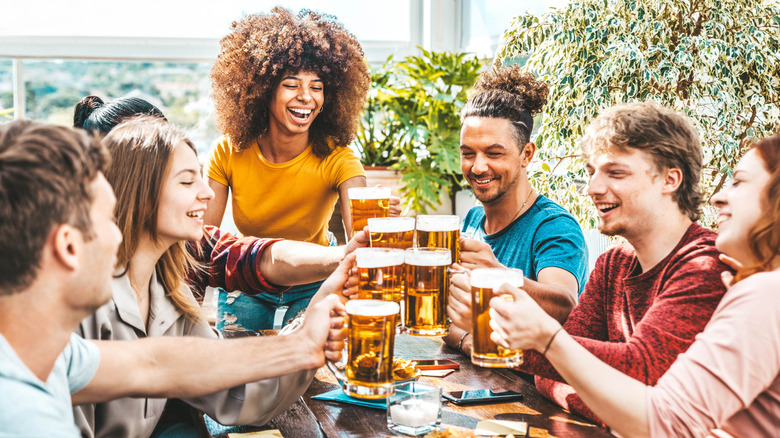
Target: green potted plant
(421, 100)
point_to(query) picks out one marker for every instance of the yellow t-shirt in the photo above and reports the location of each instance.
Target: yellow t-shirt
(292, 200)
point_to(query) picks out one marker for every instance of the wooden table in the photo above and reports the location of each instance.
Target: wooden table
(315, 418)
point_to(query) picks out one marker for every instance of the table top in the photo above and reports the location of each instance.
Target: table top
(316, 418)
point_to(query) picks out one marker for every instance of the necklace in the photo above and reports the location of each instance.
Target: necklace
(522, 207)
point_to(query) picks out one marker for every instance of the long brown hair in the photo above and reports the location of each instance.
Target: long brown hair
(764, 236)
(141, 150)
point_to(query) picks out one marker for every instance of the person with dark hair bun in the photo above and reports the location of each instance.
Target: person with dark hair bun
(92, 114)
(288, 90)
(514, 227)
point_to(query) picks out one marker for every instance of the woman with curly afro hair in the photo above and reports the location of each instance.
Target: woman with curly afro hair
(289, 90)
(514, 227)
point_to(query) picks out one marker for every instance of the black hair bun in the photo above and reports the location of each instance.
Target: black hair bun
(84, 108)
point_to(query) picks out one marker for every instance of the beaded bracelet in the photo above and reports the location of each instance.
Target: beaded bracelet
(460, 344)
(551, 340)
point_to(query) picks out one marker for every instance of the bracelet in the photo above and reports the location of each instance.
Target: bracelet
(551, 340)
(460, 343)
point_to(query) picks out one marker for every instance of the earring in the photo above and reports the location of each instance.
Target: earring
(322, 108)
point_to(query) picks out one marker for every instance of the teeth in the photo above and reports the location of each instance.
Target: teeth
(606, 207)
(303, 112)
(484, 181)
(196, 214)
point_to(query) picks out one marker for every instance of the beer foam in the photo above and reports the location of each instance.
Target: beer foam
(438, 223)
(372, 308)
(368, 192)
(428, 257)
(379, 257)
(491, 278)
(390, 224)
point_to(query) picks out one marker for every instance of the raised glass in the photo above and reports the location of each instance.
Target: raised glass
(484, 282)
(439, 231)
(367, 202)
(380, 273)
(427, 288)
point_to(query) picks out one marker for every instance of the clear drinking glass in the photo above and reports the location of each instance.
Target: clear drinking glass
(414, 409)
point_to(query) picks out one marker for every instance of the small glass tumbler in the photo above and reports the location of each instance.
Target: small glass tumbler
(414, 409)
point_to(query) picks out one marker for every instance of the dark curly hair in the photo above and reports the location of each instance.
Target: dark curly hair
(508, 93)
(262, 48)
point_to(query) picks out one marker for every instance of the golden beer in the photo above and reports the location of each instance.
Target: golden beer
(367, 202)
(427, 288)
(391, 232)
(380, 273)
(370, 340)
(439, 231)
(485, 352)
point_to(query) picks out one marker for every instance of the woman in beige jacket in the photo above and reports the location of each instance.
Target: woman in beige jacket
(161, 199)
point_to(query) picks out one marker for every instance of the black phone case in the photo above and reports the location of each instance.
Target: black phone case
(494, 397)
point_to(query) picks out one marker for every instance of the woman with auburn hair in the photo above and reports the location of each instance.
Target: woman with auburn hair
(729, 379)
(288, 91)
(161, 198)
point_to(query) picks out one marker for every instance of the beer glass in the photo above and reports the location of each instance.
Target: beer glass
(391, 232)
(427, 287)
(439, 231)
(368, 372)
(485, 352)
(367, 202)
(380, 273)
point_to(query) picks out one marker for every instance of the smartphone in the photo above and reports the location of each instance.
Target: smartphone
(481, 396)
(437, 364)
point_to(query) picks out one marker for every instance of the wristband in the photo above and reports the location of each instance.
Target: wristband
(460, 343)
(551, 340)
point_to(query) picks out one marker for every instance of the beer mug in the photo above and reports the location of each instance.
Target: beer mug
(367, 202)
(380, 273)
(368, 372)
(391, 232)
(485, 352)
(427, 288)
(439, 231)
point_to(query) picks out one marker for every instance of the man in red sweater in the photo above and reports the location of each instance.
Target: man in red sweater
(646, 300)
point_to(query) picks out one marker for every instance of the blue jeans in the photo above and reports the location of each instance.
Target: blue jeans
(257, 312)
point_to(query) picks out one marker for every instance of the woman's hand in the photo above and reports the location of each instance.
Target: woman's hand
(337, 283)
(518, 322)
(395, 206)
(727, 277)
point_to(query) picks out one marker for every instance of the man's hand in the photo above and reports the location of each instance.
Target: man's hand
(520, 323)
(476, 254)
(459, 301)
(324, 326)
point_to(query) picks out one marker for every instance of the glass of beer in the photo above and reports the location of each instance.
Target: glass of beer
(439, 231)
(427, 287)
(367, 202)
(391, 232)
(486, 353)
(368, 372)
(380, 273)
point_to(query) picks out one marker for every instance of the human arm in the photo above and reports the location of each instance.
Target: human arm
(346, 214)
(617, 398)
(185, 366)
(555, 289)
(216, 207)
(254, 265)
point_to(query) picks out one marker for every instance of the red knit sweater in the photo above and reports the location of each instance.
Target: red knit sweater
(639, 322)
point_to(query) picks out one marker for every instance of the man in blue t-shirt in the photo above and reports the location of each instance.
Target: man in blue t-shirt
(515, 227)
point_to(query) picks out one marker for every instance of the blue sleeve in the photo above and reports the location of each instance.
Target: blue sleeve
(82, 358)
(559, 243)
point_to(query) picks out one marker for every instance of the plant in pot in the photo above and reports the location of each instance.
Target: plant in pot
(421, 98)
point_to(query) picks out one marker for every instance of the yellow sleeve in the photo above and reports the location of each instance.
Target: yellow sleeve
(217, 167)
(344, 165)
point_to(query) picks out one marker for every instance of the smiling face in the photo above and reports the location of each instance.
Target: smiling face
(740, 207)
(491, 159)
(296, 103)
(183, 198)
(627, 190)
